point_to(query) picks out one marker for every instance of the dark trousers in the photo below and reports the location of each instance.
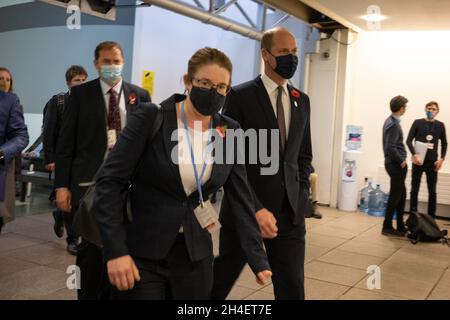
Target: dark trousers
(94, 277)
(175, 277)
(286, 255)
(67, 218)
(72, 236)
(432, 175)
(397, 194)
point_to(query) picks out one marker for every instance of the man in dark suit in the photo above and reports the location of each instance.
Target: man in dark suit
(53, 111)
(13, 139)
(281, 199)
(96, 114)
(396, 166)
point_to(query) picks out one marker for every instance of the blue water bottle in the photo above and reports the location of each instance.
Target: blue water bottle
(386, 198)
(364, 199)
(376, 202)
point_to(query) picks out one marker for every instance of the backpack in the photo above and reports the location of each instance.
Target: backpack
(60, 104)
(57, 100)
(422, 227)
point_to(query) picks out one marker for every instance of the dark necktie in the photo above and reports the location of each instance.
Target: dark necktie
(280, 118)
(114, 112)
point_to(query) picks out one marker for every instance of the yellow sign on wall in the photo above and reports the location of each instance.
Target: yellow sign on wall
(148, 78)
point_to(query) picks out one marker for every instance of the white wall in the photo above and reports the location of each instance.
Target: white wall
(413, 64)
(329, 88)
(164, 42)
(322, 92)
(34, 125)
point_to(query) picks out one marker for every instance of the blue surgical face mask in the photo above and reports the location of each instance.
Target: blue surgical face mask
(429, 115)
(111, 73)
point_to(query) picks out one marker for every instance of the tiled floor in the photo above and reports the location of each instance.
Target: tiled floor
(339, 249)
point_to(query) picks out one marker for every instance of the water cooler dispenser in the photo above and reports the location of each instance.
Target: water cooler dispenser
(348, 200)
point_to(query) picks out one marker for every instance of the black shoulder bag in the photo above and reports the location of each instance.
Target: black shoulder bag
(84, 221)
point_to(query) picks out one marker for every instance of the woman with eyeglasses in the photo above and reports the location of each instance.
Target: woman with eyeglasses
(166, 251)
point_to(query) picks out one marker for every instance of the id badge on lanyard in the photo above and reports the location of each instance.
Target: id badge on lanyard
(430, 144)
(205, 213)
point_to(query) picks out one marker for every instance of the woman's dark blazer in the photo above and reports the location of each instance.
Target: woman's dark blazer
(158, 201)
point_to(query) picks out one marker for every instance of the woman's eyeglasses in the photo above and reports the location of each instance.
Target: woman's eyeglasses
(221, 88)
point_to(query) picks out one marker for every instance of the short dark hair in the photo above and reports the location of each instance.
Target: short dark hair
(397, 103)
(432, 103)
(74, 71)
(107, 45)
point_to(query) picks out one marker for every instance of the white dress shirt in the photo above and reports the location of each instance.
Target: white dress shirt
(199, 142)
(106, 94)
(272, 91)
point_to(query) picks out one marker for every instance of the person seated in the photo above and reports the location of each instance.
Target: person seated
(35, 151)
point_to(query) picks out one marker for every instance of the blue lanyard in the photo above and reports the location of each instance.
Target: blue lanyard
(197, 179)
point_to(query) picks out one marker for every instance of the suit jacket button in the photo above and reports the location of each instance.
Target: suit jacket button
(185, 204)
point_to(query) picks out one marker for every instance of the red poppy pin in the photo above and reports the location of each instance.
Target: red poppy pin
(295, 93)
(221, 130)
(132, 98)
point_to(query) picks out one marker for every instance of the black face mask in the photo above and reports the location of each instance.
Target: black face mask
(205, 101)
(286, 65)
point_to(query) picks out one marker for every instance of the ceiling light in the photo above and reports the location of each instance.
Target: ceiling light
(374, 17)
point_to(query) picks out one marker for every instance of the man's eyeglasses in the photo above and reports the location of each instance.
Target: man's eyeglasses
(221, 88)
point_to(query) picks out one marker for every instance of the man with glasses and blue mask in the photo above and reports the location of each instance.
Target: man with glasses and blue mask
(268, 103)
(97, 112)
(427, 130)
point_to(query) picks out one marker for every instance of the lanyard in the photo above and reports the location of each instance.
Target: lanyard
(198, 179)
(429, 128)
